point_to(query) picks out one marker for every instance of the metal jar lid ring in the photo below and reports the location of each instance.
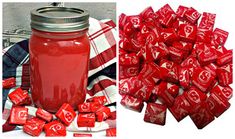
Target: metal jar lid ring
(59, 19)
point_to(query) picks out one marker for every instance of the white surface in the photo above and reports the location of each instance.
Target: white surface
(131, 124)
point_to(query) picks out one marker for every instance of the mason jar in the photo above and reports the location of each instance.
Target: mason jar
(59, 52)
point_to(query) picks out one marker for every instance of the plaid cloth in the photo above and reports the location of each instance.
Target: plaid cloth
(102, 72)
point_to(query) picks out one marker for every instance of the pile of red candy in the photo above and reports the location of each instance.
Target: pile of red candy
(168, 60)
(88, 113)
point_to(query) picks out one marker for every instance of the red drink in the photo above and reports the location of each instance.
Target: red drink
(59, 55)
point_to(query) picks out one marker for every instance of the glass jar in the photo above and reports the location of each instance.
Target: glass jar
(59, 52)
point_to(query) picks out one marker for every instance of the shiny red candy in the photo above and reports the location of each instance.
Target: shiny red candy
(127, 86)
(217, 105)
(66, 114)
(102, 114)
(81, 135)
(40, 113)
(202, 116)
(33, 126)
(180, 63)
(132, 103)
(187, 32)
(192, 15)
(226, 58)
(129, 65)
(219, 37)
(195, 97)
(184, 77)
(172, 89)
(98, 99)
(55, 129)
(224, 93)
(204, 35)
(20, 97)
(169, 71)
(176, 55)
(181, 11)
(150, 73)
(207, 55)
(155, 113)
(169, 35)
(111, 132)
(135, 20)
(207, 21)
(225, 74)
(89, 107)
(143, 90)
(164, 96)
(202, 79)
(18, 115)
(8, 83)
(86, 120)
(181, 108)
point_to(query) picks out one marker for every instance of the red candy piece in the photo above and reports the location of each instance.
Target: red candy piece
(184, 77)
(127, 86)
(135, 20)
(207, 56)
(86, 120)
(169, 35)
(202, 79)
(8, 83)
(204, 35)
(211, 68)
(44, 115)
(225, 74)
(111, 132)
(226, 58)
(148, 14)
(219, 37)
(187, 32)
(89, 107)
(18, 115)
(55, 129)
(217, 105)
(132, 103)
(140, 89)
(181, 108)
(176, 55)
(195, 97)
(128, 65)
(102, 114)
(98, 99)
(81, 135)
(128, 29)
(181, 45)
(192, 15)
(164, 96)
(34, 126)
(19, 97)
(169, 71)
(122, 20)
(207, 21)
(202, 117)
(66, 114)
(181, 11)
(150, 73)
(155, 113)
(173, 89)
(224, 93)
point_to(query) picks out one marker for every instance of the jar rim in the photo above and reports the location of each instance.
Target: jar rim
(59, 19)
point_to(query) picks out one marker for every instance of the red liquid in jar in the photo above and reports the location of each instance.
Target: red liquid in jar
(58, 68)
